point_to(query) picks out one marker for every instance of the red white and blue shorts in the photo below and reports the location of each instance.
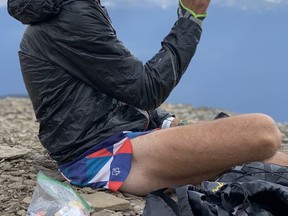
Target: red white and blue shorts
(105, 165)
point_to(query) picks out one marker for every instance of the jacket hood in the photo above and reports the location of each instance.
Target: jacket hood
(33, 11)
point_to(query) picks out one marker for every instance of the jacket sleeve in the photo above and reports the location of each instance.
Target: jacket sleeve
(157, 117)
(83, 42)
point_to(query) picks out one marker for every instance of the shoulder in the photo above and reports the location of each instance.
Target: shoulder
(85, 16)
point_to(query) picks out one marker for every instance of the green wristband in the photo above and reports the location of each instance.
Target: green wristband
(197, 16)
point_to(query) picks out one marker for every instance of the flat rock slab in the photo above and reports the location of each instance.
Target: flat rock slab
(101, 201)
(106, 212)
(7, 152)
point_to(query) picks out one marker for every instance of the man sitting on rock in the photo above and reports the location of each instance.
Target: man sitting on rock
(97, 104)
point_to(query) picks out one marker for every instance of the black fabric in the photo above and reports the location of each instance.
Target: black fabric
(252, 189)
(263, 171)
(159, 203)
(33, 11)
(221, 115)
(84, 84)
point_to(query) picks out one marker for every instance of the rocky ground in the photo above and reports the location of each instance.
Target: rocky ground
(20, 153)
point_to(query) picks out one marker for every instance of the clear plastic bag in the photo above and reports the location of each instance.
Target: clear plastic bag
(54, 198)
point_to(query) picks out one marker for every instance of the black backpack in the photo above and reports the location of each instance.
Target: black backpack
(256, 188)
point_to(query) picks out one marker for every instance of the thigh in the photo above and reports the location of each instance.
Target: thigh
(193, 153)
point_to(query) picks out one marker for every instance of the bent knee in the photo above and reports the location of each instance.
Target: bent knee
(267, 133)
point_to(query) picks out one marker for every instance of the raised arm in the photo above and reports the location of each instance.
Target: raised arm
(82, 40)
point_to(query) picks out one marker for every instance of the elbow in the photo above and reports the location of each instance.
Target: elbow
(151, 89)
(147, 105)
(150, 101)
(146, 100)
(153, 96)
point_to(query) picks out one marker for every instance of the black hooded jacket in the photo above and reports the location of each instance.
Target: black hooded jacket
(83, 83)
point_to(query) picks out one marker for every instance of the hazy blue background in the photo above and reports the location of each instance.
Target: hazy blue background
(241, 63)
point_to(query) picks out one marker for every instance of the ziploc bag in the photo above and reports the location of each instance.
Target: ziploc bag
(55, 198)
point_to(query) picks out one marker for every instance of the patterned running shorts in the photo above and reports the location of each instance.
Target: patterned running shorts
(106, 165)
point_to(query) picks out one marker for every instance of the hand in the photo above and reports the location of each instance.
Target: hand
(198, 6)
(177, 122)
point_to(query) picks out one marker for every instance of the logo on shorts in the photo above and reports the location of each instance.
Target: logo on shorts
(116, 171)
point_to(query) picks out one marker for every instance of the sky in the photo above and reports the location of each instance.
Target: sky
(240, 65)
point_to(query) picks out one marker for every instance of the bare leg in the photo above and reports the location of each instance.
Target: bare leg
(279, 158)
(194, 153)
